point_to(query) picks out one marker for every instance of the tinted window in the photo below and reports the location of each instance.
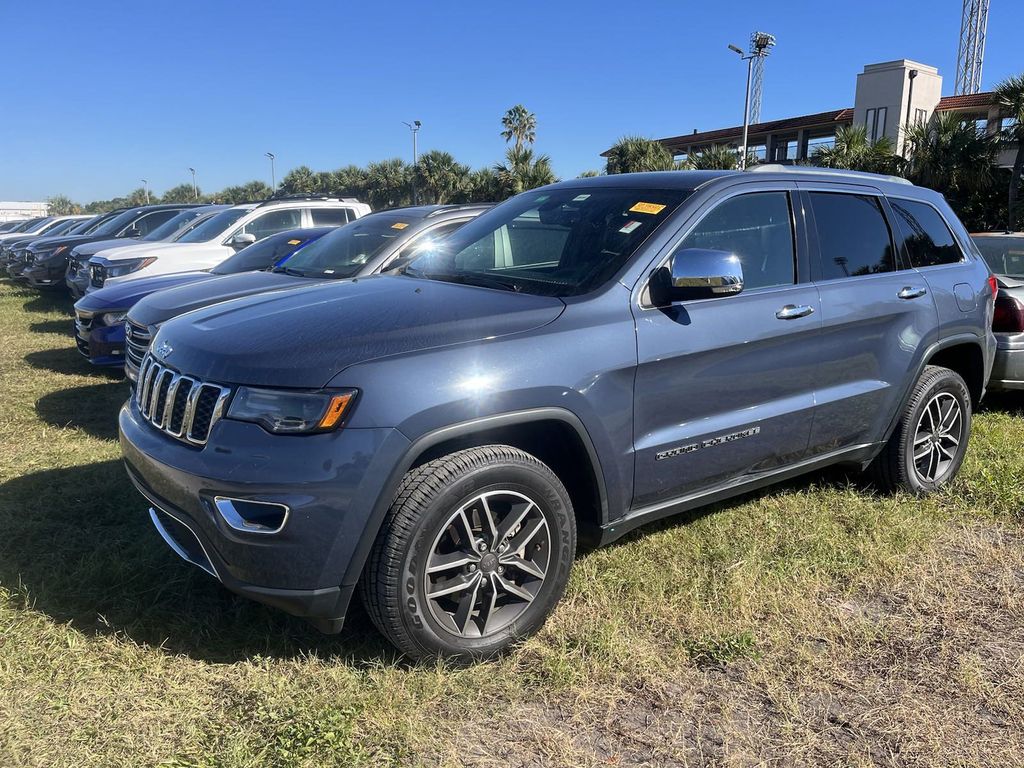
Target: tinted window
(852, 235)
(266, 253)
(214, 226)
(925, 235)
(152, 221)
(272, 222)
(1005, 255)
(758, 229)
(173, 224)
(558, 242)
(330, 217)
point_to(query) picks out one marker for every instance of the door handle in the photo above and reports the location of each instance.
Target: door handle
(912, 293)
(792, 311)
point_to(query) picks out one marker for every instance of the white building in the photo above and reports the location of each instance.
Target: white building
(14, 210)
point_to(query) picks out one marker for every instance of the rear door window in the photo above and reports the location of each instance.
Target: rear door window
(853, 236)
(927, 239)
(272, 222)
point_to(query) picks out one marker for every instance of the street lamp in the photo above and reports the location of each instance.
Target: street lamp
(273, 176)
(145, 188)
(195, 189)
(912, 74)
(414, 126)
(760, 43)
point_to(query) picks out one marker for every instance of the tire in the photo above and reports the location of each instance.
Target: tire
(895, 468)
(425, 547)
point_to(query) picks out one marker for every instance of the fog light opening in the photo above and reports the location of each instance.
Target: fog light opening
(250, 516)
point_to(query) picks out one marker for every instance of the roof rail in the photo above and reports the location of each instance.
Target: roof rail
(457, 207)
(305, 196)
(779, 168)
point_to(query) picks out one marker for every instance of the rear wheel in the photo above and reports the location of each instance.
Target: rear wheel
(473, 555)
(928, 446)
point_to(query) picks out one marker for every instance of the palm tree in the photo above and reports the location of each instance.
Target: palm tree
(1009, 95)
(853, 151)
(350, 181)
(388, 182)
(482, 186)
(521, 125)
(440, 177)
(62, 205)
(522, 171)
(299, 181)
(718, 157)
(949, 155)
(633, 154)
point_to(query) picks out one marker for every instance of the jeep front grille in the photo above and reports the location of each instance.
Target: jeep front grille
(182, 406)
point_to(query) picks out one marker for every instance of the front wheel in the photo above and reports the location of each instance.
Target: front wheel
(473, 555)
(928, 446)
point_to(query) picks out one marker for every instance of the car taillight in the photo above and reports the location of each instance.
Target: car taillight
(1009, 315)
(993, 285)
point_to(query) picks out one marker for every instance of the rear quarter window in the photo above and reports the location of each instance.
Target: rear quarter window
(926, 237)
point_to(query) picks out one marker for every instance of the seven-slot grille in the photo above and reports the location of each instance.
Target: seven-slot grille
(137, 339)
(182, 406)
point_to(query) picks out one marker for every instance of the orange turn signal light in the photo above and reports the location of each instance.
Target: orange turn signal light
(336, 409)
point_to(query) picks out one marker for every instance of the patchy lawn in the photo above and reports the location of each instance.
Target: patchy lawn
(812, 624)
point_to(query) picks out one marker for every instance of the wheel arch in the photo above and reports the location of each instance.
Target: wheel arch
(556, 436)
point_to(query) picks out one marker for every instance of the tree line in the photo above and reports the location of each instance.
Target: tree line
(947, 154)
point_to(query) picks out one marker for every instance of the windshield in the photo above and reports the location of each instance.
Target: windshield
(344, 251)
(214, 226)
(268, 252)
(61, 227)
(116, 224)
(1005, 255)
(559, 242)
(27, 225)
(98, 222)
(172, 225)
(81, 226)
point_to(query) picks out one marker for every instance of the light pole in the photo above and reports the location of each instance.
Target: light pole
(414, 126)
(746, 103)
(195, 189)
(760, 44)
(145, 188)
(273, 176)
(910, 102)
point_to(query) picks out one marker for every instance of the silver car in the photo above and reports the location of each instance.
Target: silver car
(1004, 252)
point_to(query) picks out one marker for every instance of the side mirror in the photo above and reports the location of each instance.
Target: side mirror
(242, 239)
(696, 273)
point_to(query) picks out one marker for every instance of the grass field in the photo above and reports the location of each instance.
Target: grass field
(812, 624)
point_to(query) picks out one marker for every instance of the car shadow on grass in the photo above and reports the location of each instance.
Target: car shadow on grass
(69, 361)
(46, 301)
(62, 327)
(79, 542)
(1010, 403)
(92, 408)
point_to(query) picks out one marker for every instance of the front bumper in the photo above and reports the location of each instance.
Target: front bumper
(44, 275)
(331, 484)
(16, 269)
(1008, 363)
(101, 344)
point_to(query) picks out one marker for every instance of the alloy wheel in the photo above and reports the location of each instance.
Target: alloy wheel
(488, 563)
(937, 437)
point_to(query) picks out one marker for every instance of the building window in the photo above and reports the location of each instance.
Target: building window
(875, 123)
(1007, 124)
(820, 142)
(920, 116)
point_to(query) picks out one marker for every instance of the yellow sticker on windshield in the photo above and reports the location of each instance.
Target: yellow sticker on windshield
(294, 242)
(399, 225)
(647, 208)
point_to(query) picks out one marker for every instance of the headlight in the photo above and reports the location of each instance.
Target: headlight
(59, 251)
(114, 318)
(119, 268)
(289, 413)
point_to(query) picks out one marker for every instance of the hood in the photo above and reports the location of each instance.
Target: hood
(112, 250)
(72, 241)
(125, 295)
(161, 307)
(305, 336)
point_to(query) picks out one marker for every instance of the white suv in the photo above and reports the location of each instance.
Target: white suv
(220, 236)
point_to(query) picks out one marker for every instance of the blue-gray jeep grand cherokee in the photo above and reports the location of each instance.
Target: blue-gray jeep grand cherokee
(588, 356)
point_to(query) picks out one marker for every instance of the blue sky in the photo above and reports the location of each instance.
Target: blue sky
(96, 96)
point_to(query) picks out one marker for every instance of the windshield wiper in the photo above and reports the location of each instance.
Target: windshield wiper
(289, 271)
(463, 278)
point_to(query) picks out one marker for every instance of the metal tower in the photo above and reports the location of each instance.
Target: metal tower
(761, 44)
(971, 54)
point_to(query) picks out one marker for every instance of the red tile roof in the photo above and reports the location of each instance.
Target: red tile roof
(967, 100)
(677, 144)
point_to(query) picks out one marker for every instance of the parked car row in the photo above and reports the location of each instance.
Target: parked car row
(430, 406)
